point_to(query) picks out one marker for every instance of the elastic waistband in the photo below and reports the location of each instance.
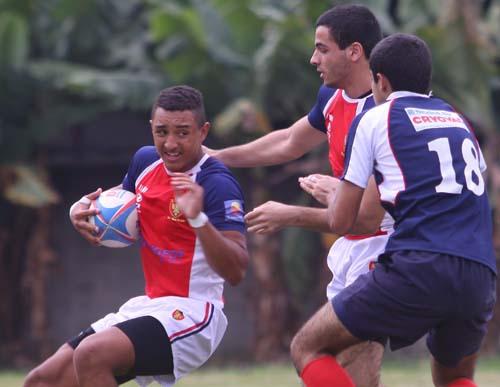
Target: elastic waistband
(353, 237)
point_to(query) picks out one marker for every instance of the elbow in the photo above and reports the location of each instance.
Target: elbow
(236, 277)
(339, 227)
(237, 274)
(371, 228)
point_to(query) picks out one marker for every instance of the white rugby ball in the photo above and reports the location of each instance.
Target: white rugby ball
(117, 220)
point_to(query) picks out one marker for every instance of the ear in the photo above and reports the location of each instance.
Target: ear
(385, 85)
(356, 51)
(204, 130)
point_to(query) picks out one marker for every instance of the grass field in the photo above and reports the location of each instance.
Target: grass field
(394, 374)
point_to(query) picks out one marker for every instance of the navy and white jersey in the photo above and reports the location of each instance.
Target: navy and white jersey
(173, 260)
(427, 164)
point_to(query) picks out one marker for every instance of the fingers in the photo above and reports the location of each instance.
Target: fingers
(83, 213)
(306, 185)
(182, 182)
(261, 230)
(94, 195)
(262, 220)
(90, 237)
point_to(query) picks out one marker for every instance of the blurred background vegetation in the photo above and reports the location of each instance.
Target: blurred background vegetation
(66, 65)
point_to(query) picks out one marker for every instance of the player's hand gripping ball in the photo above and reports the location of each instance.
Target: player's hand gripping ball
(117, 220)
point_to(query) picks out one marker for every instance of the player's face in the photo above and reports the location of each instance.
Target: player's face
(178, 137)
(330, 61)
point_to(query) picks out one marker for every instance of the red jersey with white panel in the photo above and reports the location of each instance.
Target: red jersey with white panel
(333, 114)
(173, 260)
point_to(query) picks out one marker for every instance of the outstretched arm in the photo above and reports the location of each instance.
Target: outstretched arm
(274, 148)
(225, 251)
(273, 216)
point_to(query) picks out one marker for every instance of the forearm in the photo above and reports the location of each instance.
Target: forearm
(225, 252)
(277, 147)
(363, 226)
(270, 149)
(354, 210)
(307, 217)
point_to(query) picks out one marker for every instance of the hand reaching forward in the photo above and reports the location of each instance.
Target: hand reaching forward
(319, 186)
(188, 195)
(80, 214)
(268, 218)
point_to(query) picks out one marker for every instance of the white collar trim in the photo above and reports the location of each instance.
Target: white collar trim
(195, 169)
(399, 94)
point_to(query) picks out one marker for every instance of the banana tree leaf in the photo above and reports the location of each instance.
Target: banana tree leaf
(14, 41)
(25, 186)
(240, 117)
(120, 88)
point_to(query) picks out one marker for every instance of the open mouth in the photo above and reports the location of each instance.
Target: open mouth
(171, 157)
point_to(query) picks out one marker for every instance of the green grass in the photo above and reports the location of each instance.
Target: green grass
(394, 374)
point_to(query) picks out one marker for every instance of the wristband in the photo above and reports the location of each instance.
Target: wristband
(199, 221)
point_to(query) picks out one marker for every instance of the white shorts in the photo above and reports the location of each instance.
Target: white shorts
(349, 258)
(195, 329)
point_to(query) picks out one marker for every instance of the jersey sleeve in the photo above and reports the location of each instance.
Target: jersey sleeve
(142, 158)
(316, 117)
(223, 203)
(359, 159)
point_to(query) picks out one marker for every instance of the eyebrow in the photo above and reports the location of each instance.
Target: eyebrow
(179, 126)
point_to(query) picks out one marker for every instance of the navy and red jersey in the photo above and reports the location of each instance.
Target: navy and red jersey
(333, 114)
(173, 260)
(427, 164)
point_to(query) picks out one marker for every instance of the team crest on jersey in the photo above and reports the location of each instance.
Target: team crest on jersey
(371, 265)
(329, 123)
(175, 212)
(177, 315)
(234, 210)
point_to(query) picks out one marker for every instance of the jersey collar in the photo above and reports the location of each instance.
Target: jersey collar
(399, 94)
(195, 169)
(353, 100)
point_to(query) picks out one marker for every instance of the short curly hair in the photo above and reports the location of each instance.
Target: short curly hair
(180, 98)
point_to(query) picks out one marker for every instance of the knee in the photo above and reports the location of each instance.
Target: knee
(297, 352)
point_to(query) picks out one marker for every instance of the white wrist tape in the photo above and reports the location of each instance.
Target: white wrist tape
(84, 200)
(199, 221)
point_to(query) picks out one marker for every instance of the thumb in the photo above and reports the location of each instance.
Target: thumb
(95, 194)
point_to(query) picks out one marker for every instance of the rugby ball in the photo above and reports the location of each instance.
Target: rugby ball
(117, 219)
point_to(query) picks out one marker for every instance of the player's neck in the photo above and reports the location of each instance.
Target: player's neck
(359, 84)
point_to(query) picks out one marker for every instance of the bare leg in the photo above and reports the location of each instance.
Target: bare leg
(56, 371)
(103, 355)
(322, 334)
(442, 376)
(362, 362)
